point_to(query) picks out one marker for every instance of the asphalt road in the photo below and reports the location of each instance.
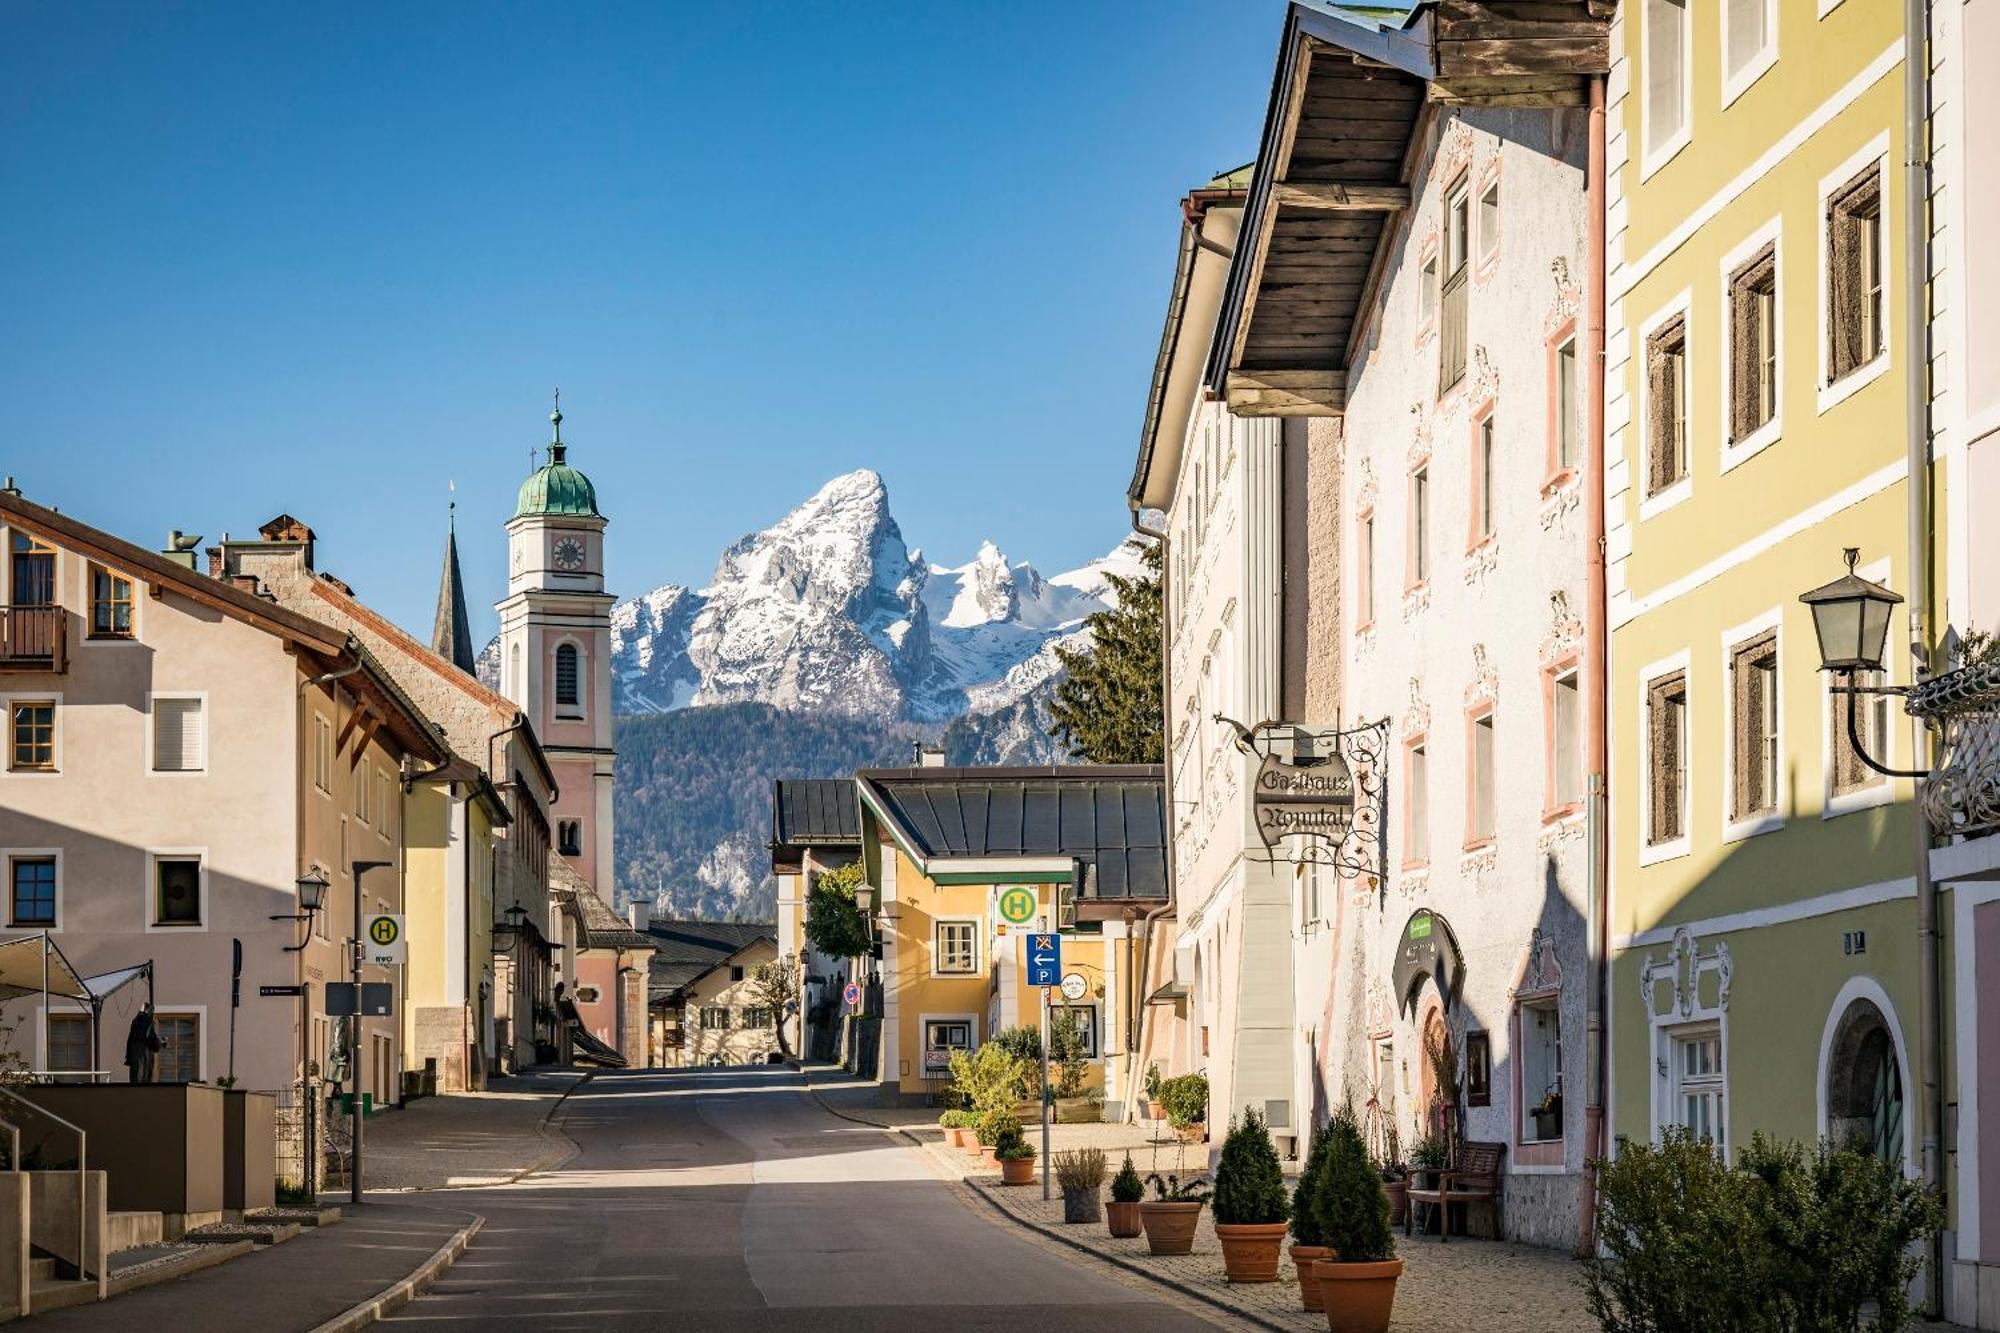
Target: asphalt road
(718, 1200)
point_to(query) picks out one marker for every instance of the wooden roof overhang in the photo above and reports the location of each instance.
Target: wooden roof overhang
(1350, 106)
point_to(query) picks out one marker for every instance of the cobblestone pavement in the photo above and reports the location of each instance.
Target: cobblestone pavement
(474, 1138)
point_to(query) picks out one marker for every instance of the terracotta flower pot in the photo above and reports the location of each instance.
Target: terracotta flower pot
(1081, 1206)
(1017, 1171)
(1358, 1298)
(1169, 1226)
(989, 1154)
(954, 1136)
(1250, 1250)
(1123, 1219)
(970, 1142)
(1194, 1133)
(1158, 1111)
(1399, 1200)
(1303, 1259)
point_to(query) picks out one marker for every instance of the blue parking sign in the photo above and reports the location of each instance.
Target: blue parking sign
(1044, 960)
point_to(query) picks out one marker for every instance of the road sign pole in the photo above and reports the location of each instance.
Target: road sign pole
(1045, 1092)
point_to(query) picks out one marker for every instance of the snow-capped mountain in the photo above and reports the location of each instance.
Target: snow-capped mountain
(830, 609)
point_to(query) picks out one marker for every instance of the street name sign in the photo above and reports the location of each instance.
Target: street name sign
(1044, 960)
(281, 990)
(382, 937)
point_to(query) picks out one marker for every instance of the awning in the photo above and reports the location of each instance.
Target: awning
(585, 1043)
(104, 983)
(1428, 949)
(1171, 993)
(33, 965)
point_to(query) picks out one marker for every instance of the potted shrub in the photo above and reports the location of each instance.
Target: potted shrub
(1357, 1286)
(1250, 1203)
(1080, 1173)
(996, 1127)
(1186, 1102)
(1308, 1235)
(1429, 1156)
(1395, 1175)
(1153, 1082)
(1548, 1116)
(955, 1124)
(1016, 1157)
(1170, 1216)
(1122, 1213)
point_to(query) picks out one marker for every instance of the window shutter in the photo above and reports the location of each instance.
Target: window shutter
(177, 735)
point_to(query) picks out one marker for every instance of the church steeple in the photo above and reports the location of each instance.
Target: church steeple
(451, 632)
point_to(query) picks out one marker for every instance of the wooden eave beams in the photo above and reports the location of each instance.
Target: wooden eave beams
(1287, 393)
(1526, 53)
(1331, 197)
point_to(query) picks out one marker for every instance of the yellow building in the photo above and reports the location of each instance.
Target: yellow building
(950, 852)
(1763, 922)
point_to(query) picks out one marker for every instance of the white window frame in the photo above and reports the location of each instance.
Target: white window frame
(1760, 62)
(1734, 829)
(63, 1008)
(7, 860)
(1833, 707)
(7, 702)
(1095, 1011)
(1768, 434)
(322, 743)
(1486, 247)
(152, 733)
(1865, 987)
(149, 898)
(1651, 853)
(1652, 157)
(1683, 1034)
(924, 1022)
(1680, 307)
(971, 923)
(199, 1012)
(1833, 392)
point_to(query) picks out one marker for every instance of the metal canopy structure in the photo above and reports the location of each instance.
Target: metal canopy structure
(35, 965)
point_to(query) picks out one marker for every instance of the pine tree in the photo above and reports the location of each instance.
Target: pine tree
(1108, 709)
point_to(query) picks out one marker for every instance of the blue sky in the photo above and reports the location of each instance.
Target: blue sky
(260, 259)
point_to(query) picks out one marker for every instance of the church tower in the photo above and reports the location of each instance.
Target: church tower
(555, 650)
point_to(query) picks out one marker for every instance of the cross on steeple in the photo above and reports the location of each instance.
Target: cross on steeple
(556, 447)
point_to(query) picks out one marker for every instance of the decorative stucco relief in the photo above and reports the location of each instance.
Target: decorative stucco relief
(1553, 836)
(1541, 972)
(1417, 717)
(1679, 974)
(1480, 561)
(1484, 687)
(1416, 601)
(1565, 634)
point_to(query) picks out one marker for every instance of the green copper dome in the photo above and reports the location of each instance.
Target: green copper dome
(556, 488)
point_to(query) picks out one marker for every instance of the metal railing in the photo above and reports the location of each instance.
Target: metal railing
(34, 636)
(82, 1171)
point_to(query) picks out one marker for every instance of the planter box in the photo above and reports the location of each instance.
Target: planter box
(249, 1150)
(159, 1144)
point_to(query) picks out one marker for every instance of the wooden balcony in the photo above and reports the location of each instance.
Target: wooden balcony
(34, 638)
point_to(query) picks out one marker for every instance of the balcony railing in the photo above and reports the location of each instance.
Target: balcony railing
(34, 638)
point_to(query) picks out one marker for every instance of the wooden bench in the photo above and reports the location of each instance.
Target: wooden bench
(1476, 1179)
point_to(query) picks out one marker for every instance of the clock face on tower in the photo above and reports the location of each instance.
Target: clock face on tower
(568, 553)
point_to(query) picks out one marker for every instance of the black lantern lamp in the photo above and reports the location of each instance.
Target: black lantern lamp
(312, 887)
(1851, 618)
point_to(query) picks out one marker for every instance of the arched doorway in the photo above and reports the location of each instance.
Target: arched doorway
(1864, 1083)
(1434, 1107)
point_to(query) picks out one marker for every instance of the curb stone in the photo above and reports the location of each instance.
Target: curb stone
(569, 1149)
(402, 1293)
(967, 1193)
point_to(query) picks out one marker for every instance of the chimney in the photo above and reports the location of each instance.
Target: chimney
(180, 548)
(639, 914)
(930, 756)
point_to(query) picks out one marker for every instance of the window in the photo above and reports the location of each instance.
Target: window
(1568, 405)
(1307, 875)
(569, 837)
(568, 689)
(1666, 405)
(942, 1036)
(1666, 759)
(957, 949)
(1457, 243)
(1489, 221)
(1746, 37)
(1753, 345)
(1854, 275)
(31, 730)
(361, 793)
(1565, 742)
(736, 972)
(1753, 683)
(1427, 294)
(32, 892)
(1698, 1084)
(177, 735)
(110, 604)
(177, 891)
(323, 754)
(1418, 802)
(1420, 526)
(1086, 1025)
(1478, 1069)
(1479, 807)
(1871, 720)
(179, 1060)
(1366, 576)
(756, 1016)
(385, 807)
(1541, 1112)
(34, 572)
(715, 1018)
(1666, 73)
(1482, 480)
(69, 1043)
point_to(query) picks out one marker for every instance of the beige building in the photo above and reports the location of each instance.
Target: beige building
(181, 752)
(704, 1006)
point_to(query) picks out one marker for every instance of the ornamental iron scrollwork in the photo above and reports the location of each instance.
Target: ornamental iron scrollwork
(1322, 790)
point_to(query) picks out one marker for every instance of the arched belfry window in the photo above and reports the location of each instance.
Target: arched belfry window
(1864, 1084)
(568, 690)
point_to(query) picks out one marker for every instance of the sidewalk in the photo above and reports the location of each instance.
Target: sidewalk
(471, 1138)
(1499, 1286)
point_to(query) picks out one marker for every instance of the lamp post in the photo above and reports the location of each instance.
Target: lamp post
(354, 1034)
(1851, 620)
(312, 887)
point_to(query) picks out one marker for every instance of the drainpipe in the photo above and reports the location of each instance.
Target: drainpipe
(1132, 1072)
(1596, 670)
(1916, 402)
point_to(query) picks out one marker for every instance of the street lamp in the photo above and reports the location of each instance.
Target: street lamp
(1851, 618)
(312, 888)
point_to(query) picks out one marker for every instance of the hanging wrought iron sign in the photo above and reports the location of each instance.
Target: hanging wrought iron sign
(1321, 789)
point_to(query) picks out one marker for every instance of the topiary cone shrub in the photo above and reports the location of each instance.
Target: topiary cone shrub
(1308, 1234)
(1249, 1201)
(1127, 1190)
(1358, 1284)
